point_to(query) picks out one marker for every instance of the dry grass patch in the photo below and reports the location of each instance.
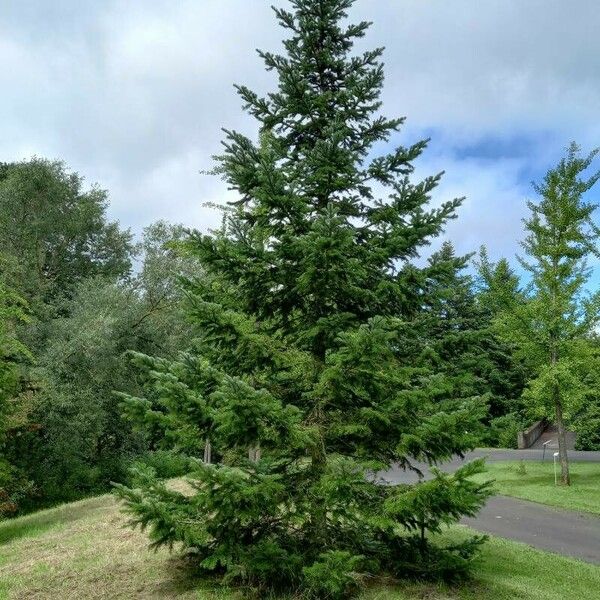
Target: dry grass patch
(85, 550)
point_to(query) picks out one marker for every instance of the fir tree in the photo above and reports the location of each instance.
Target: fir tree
(498, 292)
(453, 329)
(550, 327)
(498, 287)
(303, 379)
(459, 340)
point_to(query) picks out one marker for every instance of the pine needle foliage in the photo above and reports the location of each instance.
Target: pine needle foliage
(303, 381)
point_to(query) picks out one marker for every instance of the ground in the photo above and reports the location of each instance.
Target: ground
(535, 481)
(84, 550)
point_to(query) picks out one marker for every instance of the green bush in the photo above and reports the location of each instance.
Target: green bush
(503, 431)
(165, 463)
(336, 574)
(412, 559)
(588, 430)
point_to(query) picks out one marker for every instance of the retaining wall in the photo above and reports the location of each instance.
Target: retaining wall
(525, 439)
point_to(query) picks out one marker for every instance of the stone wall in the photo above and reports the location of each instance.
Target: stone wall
(525, 439)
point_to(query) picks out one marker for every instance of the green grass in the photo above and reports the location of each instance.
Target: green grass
(84, 550)
(36, 523)
(535, 481)
(509, 571)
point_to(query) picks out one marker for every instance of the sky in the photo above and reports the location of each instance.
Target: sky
(133, 96)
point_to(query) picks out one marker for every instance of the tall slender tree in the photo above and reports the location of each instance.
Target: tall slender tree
(549, 327)
(302, 377)
(453, 331)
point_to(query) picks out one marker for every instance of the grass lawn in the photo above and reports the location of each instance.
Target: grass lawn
(535, 481)
(83, 550)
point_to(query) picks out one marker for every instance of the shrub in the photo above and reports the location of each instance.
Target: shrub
(503, 431)
(588, 430)
(336, 574)
(165, 463)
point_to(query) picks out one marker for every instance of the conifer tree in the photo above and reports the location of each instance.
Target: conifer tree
(498, 287)
(453, 329)
(459, 340)
(303, 379)
(498, 292)
(551, 326)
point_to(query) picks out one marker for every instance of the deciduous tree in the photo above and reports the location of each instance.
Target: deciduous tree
(551, 327)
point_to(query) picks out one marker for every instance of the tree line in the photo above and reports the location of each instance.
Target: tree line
(76, 292)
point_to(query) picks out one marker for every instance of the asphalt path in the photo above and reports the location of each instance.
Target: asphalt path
(561, 531)
(565, 532)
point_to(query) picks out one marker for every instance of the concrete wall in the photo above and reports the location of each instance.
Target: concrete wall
(525, 439)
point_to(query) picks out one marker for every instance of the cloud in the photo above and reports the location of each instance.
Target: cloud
(134, 94)
(495, 66)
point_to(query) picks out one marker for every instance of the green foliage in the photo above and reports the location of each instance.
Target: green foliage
(587, 427)
(549, 330)
(426, 507)
(165, 463)
(76, 441)
(503, 431)
(13, 356)
(498, 293)
(55, 232)
(586, 417)
(309, 371)
(457, 334)
(336, 574)
(54, 237)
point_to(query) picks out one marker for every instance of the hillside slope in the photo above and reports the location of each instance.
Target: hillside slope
(84, 550)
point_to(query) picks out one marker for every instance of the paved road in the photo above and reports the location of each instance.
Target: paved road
(565, 532)
(550, 438)
(562, 531)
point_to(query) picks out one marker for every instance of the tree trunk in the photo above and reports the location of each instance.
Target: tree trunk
(254, 453)
(318, 516)
(207, 451)
(565, 477)
(423, 538)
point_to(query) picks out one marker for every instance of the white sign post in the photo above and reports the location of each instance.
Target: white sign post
(555, 472)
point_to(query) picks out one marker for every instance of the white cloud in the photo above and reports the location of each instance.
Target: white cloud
(133, 94)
